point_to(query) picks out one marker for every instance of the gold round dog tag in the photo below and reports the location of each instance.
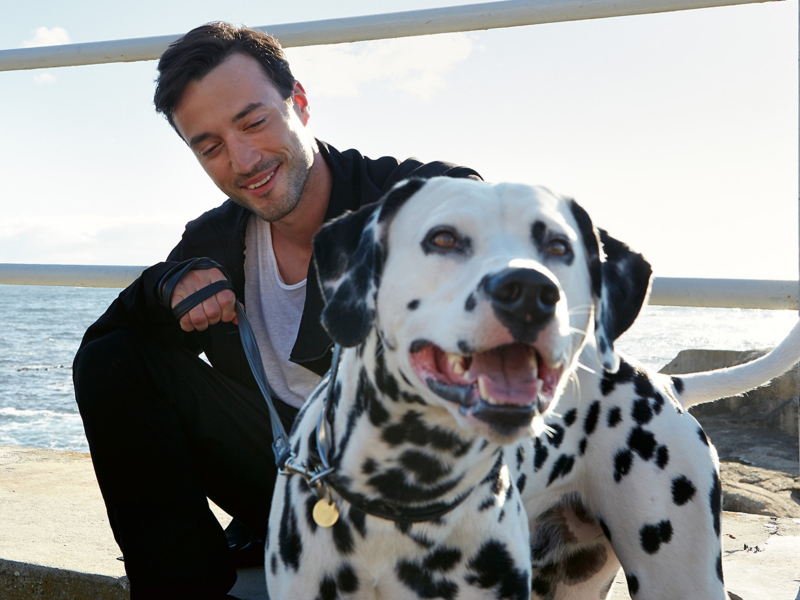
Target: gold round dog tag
(325, 513)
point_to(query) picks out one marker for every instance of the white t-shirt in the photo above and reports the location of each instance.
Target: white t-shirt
(274, 310)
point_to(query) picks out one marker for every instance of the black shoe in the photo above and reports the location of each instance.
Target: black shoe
(247, 549)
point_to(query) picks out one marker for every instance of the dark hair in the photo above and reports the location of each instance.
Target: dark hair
(195, 54)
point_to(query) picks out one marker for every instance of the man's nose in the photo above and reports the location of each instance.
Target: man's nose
(244, 157)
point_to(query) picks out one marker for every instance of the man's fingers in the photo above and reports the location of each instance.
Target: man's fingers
(219, 307)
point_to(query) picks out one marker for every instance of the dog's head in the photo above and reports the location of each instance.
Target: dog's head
(483, 295)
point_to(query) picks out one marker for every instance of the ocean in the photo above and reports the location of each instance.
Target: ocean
(42, 327)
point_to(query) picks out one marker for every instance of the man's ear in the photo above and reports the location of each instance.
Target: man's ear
(349, 254)
(620, 284)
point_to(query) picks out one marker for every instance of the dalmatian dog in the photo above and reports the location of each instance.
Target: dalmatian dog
(479, 437)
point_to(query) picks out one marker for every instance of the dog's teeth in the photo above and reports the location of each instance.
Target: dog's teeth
(533, 362)
(484, 393)
(456, 363)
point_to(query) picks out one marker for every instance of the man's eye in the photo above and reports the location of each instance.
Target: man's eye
(254, 125)
(209, 150)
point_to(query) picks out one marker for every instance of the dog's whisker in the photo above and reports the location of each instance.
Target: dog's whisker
(585, 368)
(576, 330)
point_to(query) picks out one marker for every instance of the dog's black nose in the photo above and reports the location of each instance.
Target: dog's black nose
(523, 299)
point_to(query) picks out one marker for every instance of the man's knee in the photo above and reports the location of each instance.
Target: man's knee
(107, 365)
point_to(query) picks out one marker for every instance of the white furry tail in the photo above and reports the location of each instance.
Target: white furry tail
(722, 383)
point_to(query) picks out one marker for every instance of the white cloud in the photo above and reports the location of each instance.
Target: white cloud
(43, 36)
(417, 66)
(44, 78)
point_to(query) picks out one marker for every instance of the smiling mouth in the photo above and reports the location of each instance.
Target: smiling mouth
(258, 184)
(505, 386)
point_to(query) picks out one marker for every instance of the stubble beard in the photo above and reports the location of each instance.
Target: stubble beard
(296, 174)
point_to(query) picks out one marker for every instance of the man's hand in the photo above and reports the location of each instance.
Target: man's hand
(219, 307)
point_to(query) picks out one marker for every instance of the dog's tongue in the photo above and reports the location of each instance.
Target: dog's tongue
(506, 375)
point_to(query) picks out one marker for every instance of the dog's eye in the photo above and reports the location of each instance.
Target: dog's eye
(557, 248)
(443, 239)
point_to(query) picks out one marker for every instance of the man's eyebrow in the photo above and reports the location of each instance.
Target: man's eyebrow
(237, 117)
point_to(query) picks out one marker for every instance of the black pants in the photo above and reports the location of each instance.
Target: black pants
(166, 431)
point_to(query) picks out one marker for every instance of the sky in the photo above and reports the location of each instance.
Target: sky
(678, 132)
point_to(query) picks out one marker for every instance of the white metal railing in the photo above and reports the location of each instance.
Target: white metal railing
(470, 17)
(726, 293)
(666, 291)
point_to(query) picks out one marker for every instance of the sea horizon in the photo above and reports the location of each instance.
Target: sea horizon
(43, 331)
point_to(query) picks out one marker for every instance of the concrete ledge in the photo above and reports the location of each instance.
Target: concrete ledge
(23, 581)
(55, 542)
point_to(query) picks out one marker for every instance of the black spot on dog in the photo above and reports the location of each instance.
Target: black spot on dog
(556, 435)
(539, 235)
(715, 502)
(540, 455)
(342, 536)
(428, 469)
(493, 476)
(702, 435)
(385, 381)
(622, 464)
(311, 501)
(614, 416)
(442, 559)
(359, 520)
(487, 504)
(327, 588)
(643, 385)
(393, 485)
(290, 544)
(571, 416)
(520, 457)
(421, 581)
(493, 566)
(682, 490)
(521, 481)
(413, 305)
(464, 347)
(662, 457)
(412, 429)
(584, 564)
(348, 581)
(501, 516)
(658, 403)
(367, 394)
(421, 540)
(678, 383)
(273, 563)
(719, 569)
(590, 422)
(610, 380)
(652, 536)
(561, 467)
(641, 411)
(606, 530)
(642, 442)
(582, 446)
(541, 586)
(369, 466)
(633, 584)
(471, 303)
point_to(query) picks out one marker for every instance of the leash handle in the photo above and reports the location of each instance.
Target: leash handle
(166, 287)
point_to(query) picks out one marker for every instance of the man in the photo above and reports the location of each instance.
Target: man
(165, 429)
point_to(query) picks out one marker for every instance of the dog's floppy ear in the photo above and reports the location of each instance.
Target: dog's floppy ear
(349, 253)
(620, 285)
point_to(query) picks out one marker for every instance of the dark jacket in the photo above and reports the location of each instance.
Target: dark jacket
(219, 234)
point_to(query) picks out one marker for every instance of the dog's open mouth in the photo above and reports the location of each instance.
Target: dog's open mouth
(504, 386)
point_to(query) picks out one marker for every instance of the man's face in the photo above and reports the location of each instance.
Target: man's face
(251, 142)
